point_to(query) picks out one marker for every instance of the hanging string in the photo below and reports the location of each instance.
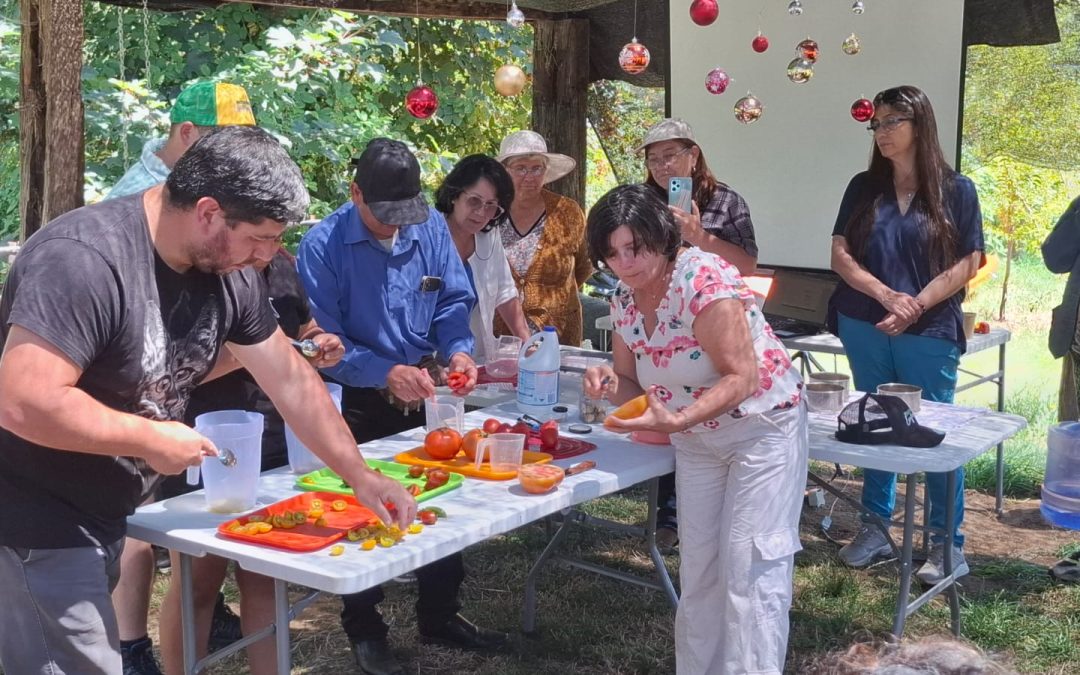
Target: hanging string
(419, 49)
(146, 42)
(122, 49)
(635, 19)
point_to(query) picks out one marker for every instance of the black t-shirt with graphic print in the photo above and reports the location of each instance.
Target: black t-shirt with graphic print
(91, 284)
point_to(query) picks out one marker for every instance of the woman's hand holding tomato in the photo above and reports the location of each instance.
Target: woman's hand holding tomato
(657, 417)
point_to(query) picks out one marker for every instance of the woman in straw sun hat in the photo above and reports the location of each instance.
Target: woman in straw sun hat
(544, 237)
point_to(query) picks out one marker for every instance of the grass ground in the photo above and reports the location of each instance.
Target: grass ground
(592, 625)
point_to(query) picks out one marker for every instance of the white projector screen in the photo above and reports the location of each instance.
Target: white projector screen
(793, 164)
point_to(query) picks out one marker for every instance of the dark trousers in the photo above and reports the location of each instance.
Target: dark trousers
(370, 417)
(666, 512)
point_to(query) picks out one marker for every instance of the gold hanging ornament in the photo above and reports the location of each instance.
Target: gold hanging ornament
(509, 80)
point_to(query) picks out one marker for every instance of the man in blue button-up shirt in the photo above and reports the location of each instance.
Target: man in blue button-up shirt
(383, 274)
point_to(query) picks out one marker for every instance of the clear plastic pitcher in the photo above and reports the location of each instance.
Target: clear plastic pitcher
(444, 411)
(504, 452)
(1061, 484)
(302, 460)
(229, 489)
(502, 360)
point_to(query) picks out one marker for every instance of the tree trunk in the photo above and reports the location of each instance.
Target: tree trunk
(31, 121)
(560, 91)
(1010, 251)
(62, 30)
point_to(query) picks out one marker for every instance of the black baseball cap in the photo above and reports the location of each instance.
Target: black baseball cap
(877, 419)
(389, 176)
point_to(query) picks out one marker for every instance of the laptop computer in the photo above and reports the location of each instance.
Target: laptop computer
(798, 301)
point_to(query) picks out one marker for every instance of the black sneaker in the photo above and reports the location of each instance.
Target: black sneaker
(225, 626)
(138, 658)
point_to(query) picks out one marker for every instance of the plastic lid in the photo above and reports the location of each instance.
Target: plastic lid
(549, 329)
(1070, 429)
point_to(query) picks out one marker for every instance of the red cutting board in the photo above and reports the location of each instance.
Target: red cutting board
(307, 536)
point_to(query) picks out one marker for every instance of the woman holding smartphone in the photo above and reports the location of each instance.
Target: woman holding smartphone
(719, 219)
(718, 222)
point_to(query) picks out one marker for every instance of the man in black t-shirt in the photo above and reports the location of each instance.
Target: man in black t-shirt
(111, 315)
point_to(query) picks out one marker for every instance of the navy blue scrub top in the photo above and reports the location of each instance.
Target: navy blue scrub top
(898, 255)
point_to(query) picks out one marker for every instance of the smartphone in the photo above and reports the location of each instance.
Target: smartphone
(680, 193)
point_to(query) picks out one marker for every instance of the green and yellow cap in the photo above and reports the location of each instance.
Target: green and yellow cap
(213, 104)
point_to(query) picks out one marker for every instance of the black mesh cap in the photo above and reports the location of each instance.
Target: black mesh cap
(877, 419)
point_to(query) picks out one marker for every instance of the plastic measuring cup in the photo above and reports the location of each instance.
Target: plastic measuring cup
(444, 411)
(504, 452)
(502, 361)
(302, 460)
(229, 489)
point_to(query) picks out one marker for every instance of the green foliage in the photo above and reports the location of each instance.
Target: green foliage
(9, 129)
(620, 114)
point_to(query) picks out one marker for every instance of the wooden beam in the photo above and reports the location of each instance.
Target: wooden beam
(426, 9)
(31, 122)
(62, 33)
(560, 88)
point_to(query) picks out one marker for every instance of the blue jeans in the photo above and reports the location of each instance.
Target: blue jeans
(927, 362)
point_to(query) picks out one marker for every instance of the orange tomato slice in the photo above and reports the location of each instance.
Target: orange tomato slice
(635, 407)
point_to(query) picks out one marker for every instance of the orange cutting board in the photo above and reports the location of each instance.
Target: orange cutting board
(307, 536)
(462, 465)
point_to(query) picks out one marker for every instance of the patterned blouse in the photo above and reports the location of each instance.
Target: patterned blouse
(673, 359)
(521, 248)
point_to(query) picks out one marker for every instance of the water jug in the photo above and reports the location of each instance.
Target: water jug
(538, 374)
(1061, 484)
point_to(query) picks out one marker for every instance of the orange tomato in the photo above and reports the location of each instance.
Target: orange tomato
(471, 440)
(442, 443)
(539, 478)
(635, 407)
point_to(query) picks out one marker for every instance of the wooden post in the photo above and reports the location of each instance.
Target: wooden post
(62, 32)
(31, 121)
(560, 88)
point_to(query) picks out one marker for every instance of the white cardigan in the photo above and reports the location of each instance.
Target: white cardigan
(494, 286)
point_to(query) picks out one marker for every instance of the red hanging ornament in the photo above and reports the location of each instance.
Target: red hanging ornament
(760, 43)
(704, 12)
(808, 49)
(717, 81)
(634, 57)
(421, 101)
(862, 110)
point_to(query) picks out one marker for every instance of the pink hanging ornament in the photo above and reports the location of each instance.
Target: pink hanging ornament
(717, 81)
(760, 43)
(634, 57)
(704, 12)
(421, 101)
(862, 110)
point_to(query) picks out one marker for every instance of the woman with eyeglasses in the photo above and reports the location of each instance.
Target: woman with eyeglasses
(907, 239)
(472, 197)
(719, 221)
(544, 237)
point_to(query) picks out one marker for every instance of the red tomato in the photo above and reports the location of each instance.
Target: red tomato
(427, 517)
(504, 428)
(492, 425)
(549, 435)
(982, 327)
(457, 380)
(415, 471)
(471, 440)
(442, 443)
(436, 479)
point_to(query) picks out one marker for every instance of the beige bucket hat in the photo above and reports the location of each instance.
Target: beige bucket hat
(524, 143)
(670, 129)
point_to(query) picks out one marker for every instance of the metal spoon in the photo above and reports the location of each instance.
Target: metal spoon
(227, 457)
(307, 347)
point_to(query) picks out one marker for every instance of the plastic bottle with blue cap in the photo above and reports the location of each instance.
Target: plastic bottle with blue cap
(538, 374)
(1061, 484)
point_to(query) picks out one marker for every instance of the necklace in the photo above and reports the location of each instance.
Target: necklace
(906, 200)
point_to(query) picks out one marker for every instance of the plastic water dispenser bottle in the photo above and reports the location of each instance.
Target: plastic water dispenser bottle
(1061, 484)
(538, 374)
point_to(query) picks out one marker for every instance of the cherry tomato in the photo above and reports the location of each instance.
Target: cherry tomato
(504, 428)
(549, 435)
(415, 471)
(471, 440)
(492, 425)
(414, 490)
(427, 517)
(457, 381)
(442, 443)
(436, 479)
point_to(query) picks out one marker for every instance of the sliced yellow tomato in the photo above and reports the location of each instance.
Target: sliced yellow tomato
(337, 549)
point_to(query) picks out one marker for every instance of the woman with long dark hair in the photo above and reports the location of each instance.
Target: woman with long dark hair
(907, 239)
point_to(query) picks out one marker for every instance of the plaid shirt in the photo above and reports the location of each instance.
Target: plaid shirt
(728, 217)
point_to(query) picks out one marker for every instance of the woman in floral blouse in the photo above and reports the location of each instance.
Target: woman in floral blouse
(689, 333)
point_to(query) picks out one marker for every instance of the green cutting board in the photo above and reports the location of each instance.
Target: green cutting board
(326, 480)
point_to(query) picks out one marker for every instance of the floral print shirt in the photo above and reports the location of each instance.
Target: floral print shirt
(672, 358)
(521, 248)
